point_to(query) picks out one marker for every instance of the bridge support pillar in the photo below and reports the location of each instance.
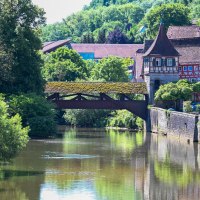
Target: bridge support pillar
(147, 123)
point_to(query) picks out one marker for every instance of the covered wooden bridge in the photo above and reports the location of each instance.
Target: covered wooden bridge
(99, 95)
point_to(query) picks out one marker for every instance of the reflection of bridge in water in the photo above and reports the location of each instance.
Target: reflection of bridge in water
(96, 95)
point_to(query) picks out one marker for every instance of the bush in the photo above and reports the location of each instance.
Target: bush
(140, 123)
(87, 118)
(123, 119)
(13, 137)
(187, 106)
(36, 112)
(198, 108)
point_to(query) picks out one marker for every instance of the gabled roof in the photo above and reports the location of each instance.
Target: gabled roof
(162, 45)
(104, 50)
(178, 32)
(52, 46)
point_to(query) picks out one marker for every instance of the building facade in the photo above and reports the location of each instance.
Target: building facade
(169, 57)
(160, 63)
(186, 40)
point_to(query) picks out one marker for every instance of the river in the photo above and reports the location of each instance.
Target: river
(99, 165)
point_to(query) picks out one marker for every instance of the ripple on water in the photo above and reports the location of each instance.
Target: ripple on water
(56, 156)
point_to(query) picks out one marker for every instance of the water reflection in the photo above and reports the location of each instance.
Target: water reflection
(103, 165)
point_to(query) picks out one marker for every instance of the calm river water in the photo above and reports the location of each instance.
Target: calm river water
(99, 165)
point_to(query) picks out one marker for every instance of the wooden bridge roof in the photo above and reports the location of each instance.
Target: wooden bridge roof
(96, 87)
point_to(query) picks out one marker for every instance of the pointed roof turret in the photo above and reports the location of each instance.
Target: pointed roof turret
(162, 45)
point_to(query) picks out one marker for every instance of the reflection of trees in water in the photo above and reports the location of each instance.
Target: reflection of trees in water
(112, 178)
(173, 170)
(12, 193)
(174, 174)
(117, 183)
(124, 141)
(20, 185)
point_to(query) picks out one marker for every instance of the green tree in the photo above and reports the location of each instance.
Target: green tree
(54, 32)
(117, 37)
(195, 9)
(174, 91)
(87, 38)
(13, 137)
(123, 119)
(196, 87)
(6, 58)
(36, 112)
(101, 38)
(111, 69)
(64, 65)
(94, 21)
(19, 23)
(170, 14)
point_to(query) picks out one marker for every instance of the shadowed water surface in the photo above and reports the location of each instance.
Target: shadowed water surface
(92, 165)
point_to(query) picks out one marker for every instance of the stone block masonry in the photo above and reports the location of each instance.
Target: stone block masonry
(184, 126)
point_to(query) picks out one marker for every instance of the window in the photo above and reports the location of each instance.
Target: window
(185, 68)
(180, 69)
(158, 62)
(87, 55)
(169, 62)
(190, 68)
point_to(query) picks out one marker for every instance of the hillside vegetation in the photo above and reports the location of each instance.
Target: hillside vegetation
(104, 19)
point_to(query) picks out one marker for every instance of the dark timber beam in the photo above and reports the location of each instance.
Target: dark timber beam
(138, 107)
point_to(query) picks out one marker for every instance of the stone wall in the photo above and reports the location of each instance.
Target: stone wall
(181, 125)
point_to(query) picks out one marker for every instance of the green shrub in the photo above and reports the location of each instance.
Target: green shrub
(86, 117)
(187, 106)
(198, 108)
(123, 119)
(140, 123)
(13, 137)
(36, 112)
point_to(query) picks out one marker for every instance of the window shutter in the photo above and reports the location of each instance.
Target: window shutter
(165, 61)
(173, 62)
(154, 62)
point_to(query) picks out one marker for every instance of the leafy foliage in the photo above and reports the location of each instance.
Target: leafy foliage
(19, 23)
(36, 112)
(63, 65)
(13, 137)
(123, 119)
(96, 23)
(175, 91)
(87, 118)
(117, 37)
(170, 14)
(111, 69)
(104, 16)
(187, 106)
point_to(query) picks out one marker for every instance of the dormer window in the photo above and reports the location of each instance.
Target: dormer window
(158, 62)
(169, 62)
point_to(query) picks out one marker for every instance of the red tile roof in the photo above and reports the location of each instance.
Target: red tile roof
(105, 50)
(161, 45)
(177, 32)
(52, 46)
